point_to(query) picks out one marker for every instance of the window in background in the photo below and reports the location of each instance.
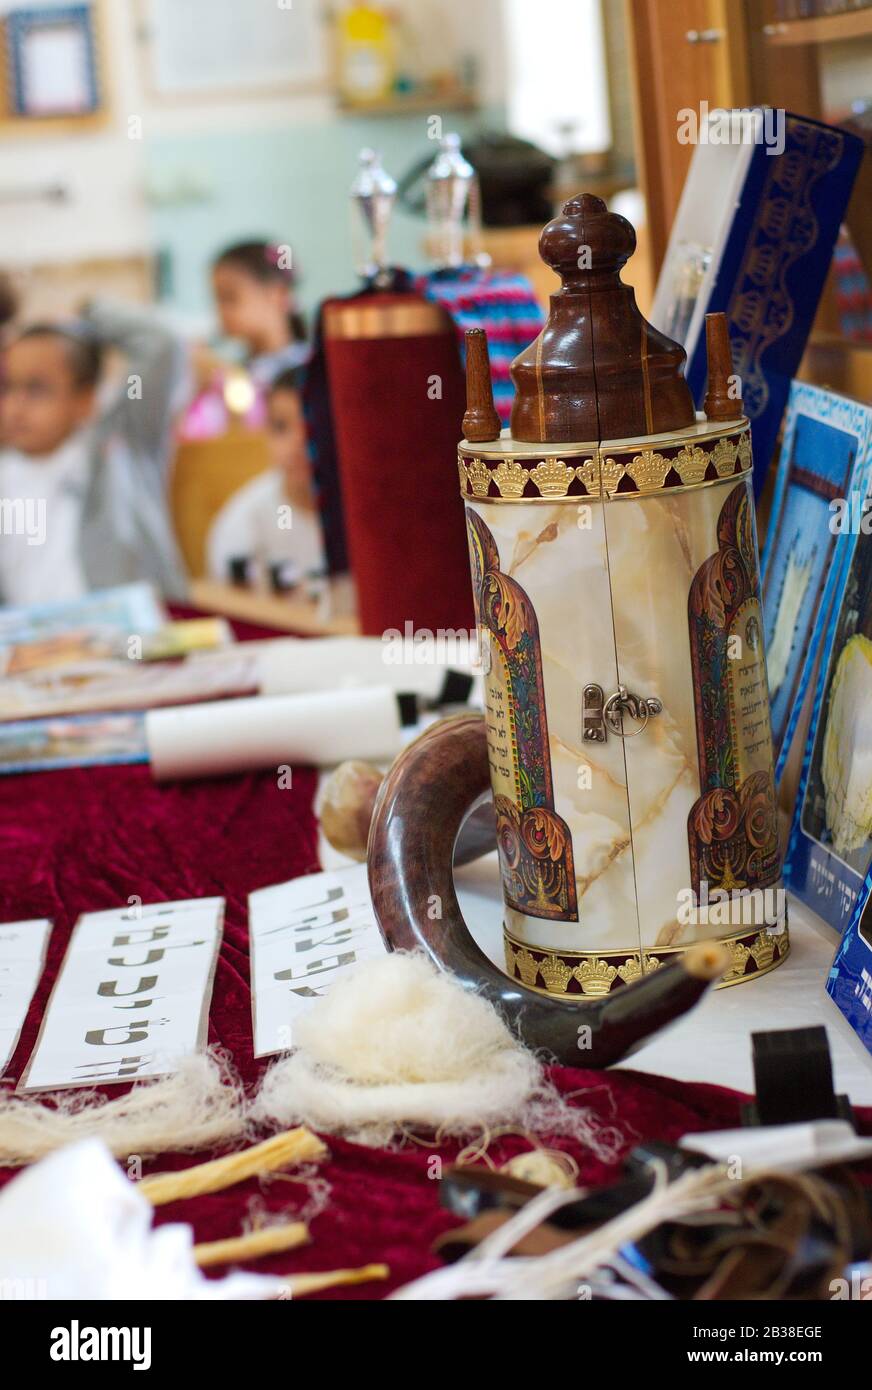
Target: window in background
(557, 83)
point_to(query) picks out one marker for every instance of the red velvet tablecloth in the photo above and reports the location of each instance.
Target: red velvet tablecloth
(83, 840)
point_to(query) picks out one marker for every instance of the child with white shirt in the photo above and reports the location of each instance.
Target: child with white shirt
(83, 481)
(269, 533)
(49, 385)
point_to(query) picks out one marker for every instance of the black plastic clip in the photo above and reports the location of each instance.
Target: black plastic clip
(793, 1079)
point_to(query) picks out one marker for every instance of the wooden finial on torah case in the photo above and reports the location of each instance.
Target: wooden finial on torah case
(598, 369)
(722, 401)
(481, 422)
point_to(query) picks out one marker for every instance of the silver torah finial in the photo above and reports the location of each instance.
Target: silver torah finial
(373, 192)
(453, 204)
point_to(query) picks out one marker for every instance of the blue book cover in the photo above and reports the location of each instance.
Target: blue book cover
(829, 853)
(850, 979)
(72, 740)
(825, 457)
(774, 265)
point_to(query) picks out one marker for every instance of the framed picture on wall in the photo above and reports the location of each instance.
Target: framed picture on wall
(200, 48)
(52, 68)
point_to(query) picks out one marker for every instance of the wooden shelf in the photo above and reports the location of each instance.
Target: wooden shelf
(413, 104)
(289, 614)
(825, 28)
(838, 364)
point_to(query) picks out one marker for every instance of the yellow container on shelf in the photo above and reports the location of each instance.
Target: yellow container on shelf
(365, 55)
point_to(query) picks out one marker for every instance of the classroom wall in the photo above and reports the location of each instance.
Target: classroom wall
(101, 170)
(287, 184)
(183, 177)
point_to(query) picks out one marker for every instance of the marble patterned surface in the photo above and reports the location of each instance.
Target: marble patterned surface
(617, 613)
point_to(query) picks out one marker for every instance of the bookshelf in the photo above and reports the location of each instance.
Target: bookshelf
(825, 28)
(731, 53)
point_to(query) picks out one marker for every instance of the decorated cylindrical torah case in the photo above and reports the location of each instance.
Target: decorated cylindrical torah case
(618, 606)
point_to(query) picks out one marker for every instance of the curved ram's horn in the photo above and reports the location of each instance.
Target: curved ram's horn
(421, 806)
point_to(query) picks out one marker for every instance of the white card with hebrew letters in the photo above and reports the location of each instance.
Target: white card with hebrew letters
(22, 958)
(305, 935)
(132, 997)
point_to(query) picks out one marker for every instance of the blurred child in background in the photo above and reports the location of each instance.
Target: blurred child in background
(83, 479)
(269, 531)
(253, 285)
(254, 292)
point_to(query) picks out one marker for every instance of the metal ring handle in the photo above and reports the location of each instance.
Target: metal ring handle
(617, 700)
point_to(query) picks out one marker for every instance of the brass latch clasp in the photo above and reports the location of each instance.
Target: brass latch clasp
(600, 714)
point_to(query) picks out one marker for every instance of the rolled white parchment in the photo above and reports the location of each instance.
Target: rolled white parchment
(288, 665)
(208, 740)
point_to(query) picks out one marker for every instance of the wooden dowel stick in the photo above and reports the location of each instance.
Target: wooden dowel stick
(281, 1151)
(301, 1284)
(267, 1241)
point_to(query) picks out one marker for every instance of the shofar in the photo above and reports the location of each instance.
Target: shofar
(421, 806)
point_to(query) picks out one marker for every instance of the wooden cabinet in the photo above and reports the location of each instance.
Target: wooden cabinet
(728, 53)
(683, 55)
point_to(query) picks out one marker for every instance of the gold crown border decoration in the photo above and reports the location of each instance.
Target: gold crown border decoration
(552, 479)
(592, 974)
